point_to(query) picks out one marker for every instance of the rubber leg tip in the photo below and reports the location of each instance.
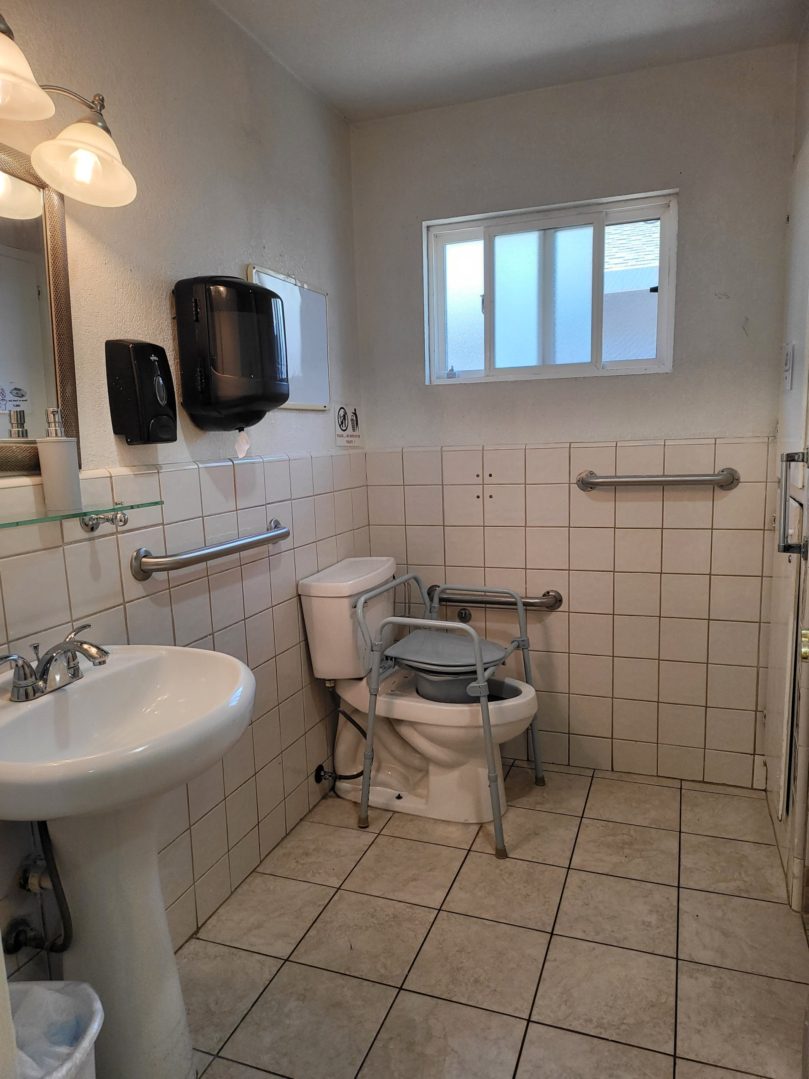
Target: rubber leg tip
(501, 852)
(539, 781)
(362, 822)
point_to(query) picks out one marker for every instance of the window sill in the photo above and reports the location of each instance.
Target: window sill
(572, 370)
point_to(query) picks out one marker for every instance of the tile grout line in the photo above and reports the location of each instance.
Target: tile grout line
(400, 988)
(497, 921)
(677, 936)
(551, 935)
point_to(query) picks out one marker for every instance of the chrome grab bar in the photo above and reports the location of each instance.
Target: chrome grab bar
(784, 545)
(458, 597)
(143, 563)
(725, 479)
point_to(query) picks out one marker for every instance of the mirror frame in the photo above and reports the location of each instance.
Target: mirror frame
(21, 456)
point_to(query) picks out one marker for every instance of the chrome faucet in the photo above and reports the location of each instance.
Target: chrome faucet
(31, 682)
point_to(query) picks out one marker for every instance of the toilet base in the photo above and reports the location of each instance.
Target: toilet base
(451, 794)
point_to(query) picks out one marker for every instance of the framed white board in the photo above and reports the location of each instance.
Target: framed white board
(307, 338)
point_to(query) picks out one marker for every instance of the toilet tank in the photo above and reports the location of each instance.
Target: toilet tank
(328, 597)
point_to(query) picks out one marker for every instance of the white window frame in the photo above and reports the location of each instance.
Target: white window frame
(599, 213)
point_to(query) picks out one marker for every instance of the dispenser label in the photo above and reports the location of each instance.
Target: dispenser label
(347, 426)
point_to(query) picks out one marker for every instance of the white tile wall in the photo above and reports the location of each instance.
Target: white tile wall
(215, 830)
(655, 662)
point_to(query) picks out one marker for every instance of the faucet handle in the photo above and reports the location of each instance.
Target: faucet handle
(20, 662)
(24, 684)
(35, 650)
(79, 629)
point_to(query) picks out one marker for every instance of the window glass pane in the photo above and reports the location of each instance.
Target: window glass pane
(631, 271)
(572, 296)
(516, 299)
(543, 284)
(463, 275)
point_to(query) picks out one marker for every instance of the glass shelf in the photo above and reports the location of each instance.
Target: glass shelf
(87, 511)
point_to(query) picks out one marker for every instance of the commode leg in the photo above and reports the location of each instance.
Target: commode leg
(368, 757)
(539, 775)
(494, 790)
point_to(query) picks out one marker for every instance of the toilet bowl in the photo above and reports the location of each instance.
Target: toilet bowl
(429, 756)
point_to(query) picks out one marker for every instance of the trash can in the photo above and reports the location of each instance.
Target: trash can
(56, 1025)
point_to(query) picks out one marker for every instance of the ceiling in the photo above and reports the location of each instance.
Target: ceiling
(374, 58)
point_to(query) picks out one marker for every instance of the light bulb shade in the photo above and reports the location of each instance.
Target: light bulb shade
(19, 200)
(21, 97)
(83, 162)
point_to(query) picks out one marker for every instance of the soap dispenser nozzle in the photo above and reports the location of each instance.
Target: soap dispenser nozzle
(56, 428)
(16, 423)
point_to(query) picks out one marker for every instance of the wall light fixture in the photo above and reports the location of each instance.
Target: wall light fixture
(82, 161)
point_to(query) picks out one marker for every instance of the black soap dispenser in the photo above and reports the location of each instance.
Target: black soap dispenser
(143, 407)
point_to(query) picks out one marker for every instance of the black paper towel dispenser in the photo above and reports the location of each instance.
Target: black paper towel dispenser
(232, 347)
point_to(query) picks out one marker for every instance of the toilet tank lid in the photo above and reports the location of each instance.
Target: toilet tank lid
(349, 577)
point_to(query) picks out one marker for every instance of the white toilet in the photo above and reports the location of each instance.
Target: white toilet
(429, 756)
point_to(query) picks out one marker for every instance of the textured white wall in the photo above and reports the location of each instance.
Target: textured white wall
(719, 130)
(236, 162)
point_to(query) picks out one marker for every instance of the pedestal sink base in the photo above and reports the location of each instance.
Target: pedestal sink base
(121, 943)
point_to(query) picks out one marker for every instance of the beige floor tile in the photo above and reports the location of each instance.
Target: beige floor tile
(635, 777)
(311, 1023)
(563, 792)
(318, 853)
(444, 832)
(219, 985)
(733, 867)
(534, 835)
(627, 850)
(612, 910)
(366, 936)
(561, 1054)
(727, 816)
(436, 1039)
(406, 870)
(722, 788)
(634, 803)
(201, 1062)
(509, 890)
(740, 1021)
(744, 934)
(482, 963)
(610, 992)
(227, 1069)
(267, 914)
(690, 1069)
(341, 813)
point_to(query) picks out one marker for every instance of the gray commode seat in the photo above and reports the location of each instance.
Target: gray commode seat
(452, 664)
(444, 663)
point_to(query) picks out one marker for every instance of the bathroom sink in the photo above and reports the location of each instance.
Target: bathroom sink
(149, 719)
(91, 759)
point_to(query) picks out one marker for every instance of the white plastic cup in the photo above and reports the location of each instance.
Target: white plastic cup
(59, 465)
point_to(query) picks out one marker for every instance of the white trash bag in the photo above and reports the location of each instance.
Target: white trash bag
(56, 1025)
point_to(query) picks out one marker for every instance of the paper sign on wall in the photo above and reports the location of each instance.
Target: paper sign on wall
(12, 395)
(347, 428)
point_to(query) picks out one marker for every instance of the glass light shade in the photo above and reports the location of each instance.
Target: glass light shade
(83, 162)
(19, 200)
(21, 98)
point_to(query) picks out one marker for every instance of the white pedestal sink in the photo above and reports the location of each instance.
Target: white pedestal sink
(91, 759)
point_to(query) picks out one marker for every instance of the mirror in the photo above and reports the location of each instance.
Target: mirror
(36, 342)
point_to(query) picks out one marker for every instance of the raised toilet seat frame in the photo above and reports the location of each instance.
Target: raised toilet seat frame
(383, 665)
